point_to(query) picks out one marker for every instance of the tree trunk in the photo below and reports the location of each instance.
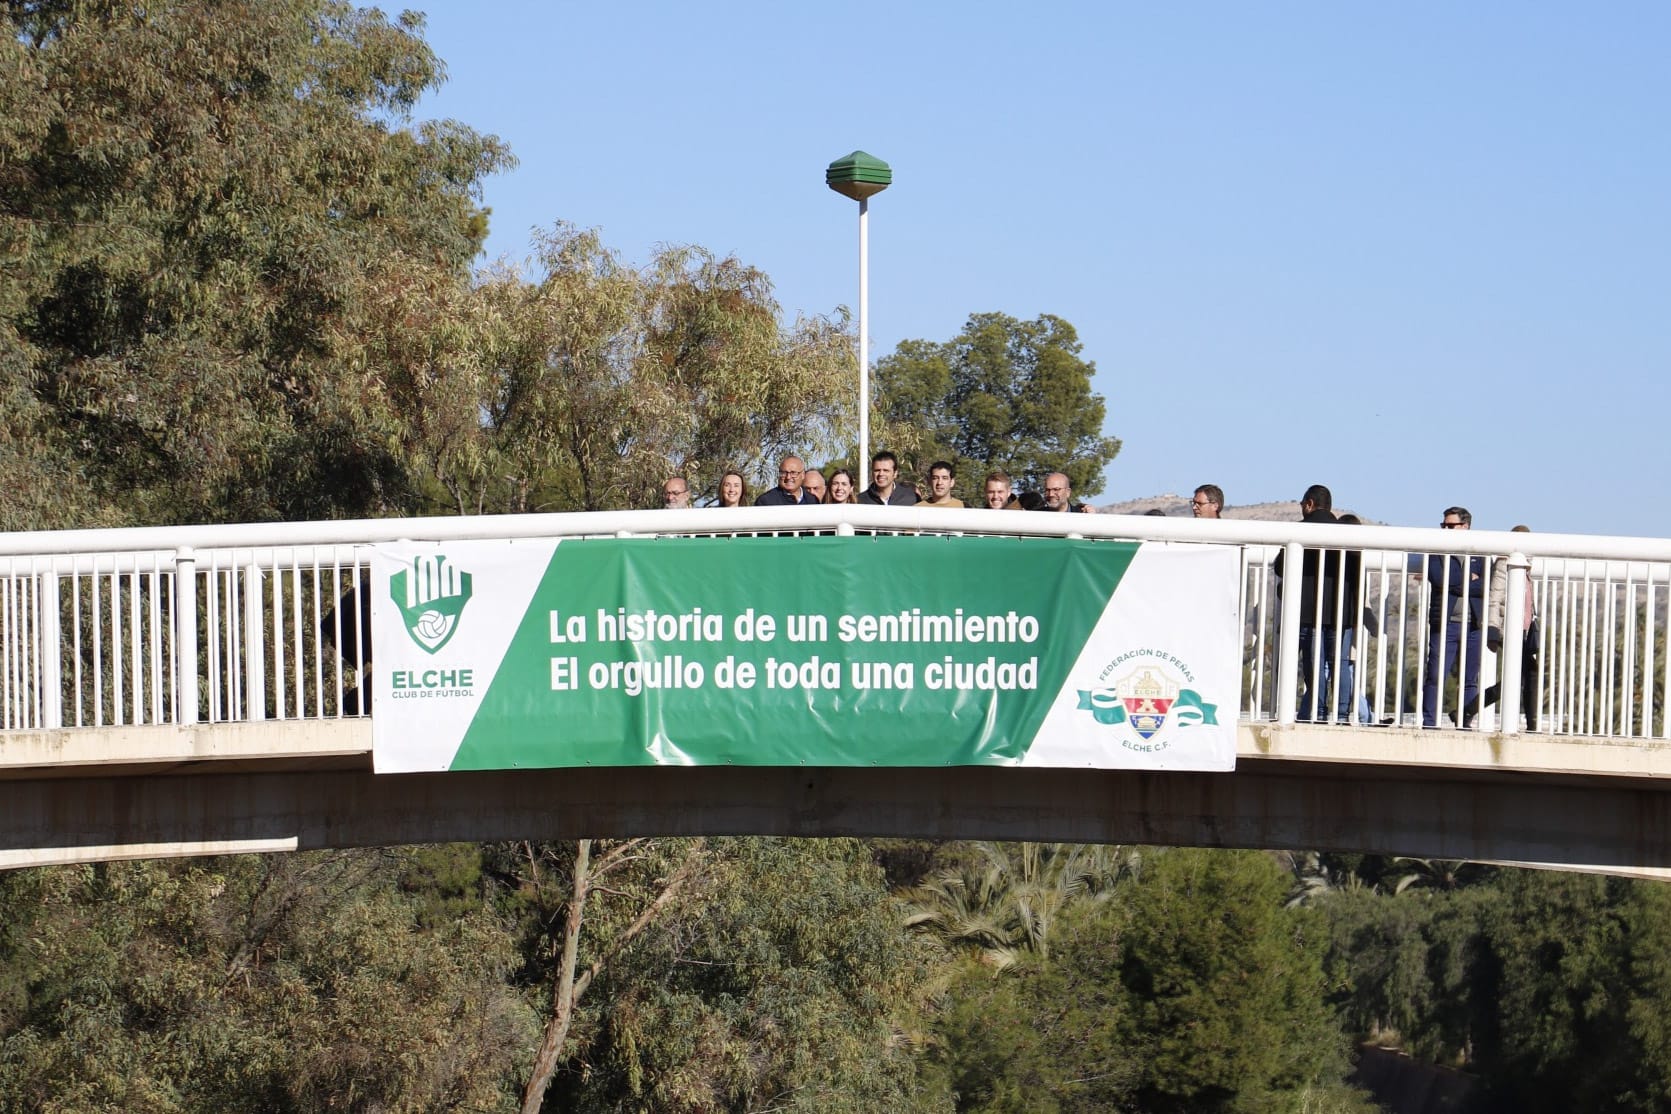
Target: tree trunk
(562, 1004)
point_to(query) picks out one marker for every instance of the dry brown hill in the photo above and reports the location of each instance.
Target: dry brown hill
(1177, 506)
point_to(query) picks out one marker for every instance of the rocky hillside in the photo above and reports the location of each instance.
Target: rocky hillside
(1177, 506)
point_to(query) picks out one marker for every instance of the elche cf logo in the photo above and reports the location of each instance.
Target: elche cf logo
(431, 595)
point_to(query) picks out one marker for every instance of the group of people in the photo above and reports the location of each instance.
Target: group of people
(799, 485)
(1464, 611)
(1467, 609)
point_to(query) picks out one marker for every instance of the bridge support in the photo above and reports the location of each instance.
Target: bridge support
(1608, 824)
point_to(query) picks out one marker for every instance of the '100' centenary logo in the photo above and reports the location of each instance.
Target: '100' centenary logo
(431, 595)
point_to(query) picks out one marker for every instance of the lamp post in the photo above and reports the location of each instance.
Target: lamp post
(861, 177)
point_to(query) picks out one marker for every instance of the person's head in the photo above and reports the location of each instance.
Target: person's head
(1316, 498)
(813, 481)
(1154, 512)
(790, 472)
(842, 487)
(884, 469)
(1208, 501)
(732, 490)
(1521, 529)
(1349, 520)
(1456, 518)
(675, 493)
(1031, 501)
(941, 476)
(997, 491)
(1058, 492)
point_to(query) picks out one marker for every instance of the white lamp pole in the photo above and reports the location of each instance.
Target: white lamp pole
(861, 177)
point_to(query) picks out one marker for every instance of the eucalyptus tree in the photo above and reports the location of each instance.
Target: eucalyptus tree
(740, 974)
(301, 982)
(589, 380)
(200, 205)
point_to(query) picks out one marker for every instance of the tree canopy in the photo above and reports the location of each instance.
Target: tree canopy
(201, 206)
(236, 285)
(1003, 394)
(584, 385)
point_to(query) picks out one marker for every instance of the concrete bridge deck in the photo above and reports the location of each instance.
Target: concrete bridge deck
(160, 746)
(143, 791)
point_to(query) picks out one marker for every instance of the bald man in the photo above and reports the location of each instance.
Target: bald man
(789, 492)
(1058, 496)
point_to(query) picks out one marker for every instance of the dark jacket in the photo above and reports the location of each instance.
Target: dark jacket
(900, 496)
(1328, 581)
(777, 497)
(1457, 587)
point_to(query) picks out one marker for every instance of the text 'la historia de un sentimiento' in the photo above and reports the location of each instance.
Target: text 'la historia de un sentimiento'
(778, 672)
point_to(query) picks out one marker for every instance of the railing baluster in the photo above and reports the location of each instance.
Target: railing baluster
(1288, 654)
(137, 714)
(318, 643)
(9, 619)
(255, 658)
(217, 667)
(157, 676)
(277, 595)
(296, 622)
(98, 649)
(1628, 665)
(234, 654)
(52, 651)
(1514, 642)
(75, 629)
(185, 636)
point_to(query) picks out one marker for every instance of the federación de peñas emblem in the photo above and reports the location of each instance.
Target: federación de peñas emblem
(1148, 699)
(431, 596)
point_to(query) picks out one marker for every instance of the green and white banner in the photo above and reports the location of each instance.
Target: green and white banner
(804, 651)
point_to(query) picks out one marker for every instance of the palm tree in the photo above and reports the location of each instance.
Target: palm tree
(1437, 874)
(1002, 901)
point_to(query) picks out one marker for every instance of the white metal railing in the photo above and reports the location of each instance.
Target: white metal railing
(183, 625)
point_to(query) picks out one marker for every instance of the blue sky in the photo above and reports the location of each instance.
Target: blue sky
(1418, 252)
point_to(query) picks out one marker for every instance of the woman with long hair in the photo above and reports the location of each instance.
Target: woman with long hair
(841, 488)
(733, 492)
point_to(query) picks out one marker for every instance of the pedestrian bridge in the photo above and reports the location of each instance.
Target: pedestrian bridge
(195, 690)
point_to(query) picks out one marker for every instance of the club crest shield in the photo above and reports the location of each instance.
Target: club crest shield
(431, 596)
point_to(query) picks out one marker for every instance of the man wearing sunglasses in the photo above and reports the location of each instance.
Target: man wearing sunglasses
(1455, 621)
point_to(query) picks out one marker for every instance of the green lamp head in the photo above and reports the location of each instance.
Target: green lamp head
(858, 176)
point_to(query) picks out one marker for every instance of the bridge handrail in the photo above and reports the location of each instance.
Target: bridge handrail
(263, 595)
(754, 520)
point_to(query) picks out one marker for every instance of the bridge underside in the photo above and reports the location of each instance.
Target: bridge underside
(1283, 795)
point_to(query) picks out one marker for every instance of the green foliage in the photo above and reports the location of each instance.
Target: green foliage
(1191, 988)
(1552, 987)
(783, 980)
(1003, 899)
(588, 387)
(907, 862)
(298, 982)
(1227, 985)
(199, 205)
(445, 880)
(1004, 393)
(1574, 1002)
(1045, 1035)
(1408, 969)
